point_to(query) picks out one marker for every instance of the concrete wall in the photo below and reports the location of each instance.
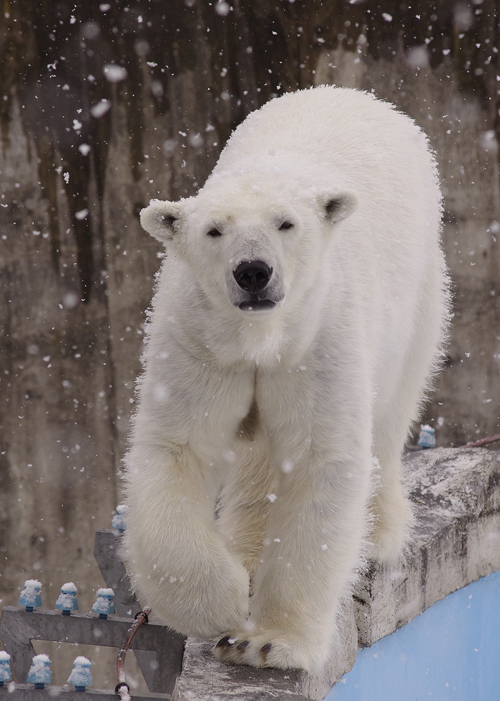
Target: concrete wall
(76, 271)
(449, 653)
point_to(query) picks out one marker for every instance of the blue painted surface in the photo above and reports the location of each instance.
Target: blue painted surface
(449, 653)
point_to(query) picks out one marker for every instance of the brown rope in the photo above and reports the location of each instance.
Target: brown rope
(483, 441)
(122, 687)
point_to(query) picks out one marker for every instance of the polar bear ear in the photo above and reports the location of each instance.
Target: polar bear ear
(160, 219)
(337, 206)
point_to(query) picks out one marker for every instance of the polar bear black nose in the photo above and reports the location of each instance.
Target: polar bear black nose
(253, 276)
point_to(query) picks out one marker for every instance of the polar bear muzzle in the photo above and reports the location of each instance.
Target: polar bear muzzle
(253, 277)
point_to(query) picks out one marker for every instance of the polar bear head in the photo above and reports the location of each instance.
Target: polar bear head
(253, 241)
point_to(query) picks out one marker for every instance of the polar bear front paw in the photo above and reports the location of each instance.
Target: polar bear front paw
(271, 648)
(205, 603)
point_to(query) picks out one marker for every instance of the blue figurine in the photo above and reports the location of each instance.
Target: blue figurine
(80, 675)
(118, 521)
(40, 673)
(5, 673)
(67, 601)
(30, 595)
(427, 438)
(104, 605)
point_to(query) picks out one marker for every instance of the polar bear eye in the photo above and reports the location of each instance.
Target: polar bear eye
(214, 233)
(286, 225)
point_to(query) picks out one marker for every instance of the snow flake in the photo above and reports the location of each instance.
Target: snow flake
(222, 9)
(417, 57)
(489, 141)
(70, 300)
(196, 140)
(157, 88)
(114, 73)
(100, 109)
(286, 466)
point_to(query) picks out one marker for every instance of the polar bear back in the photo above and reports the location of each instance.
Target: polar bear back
(339, 128)
(360, 141)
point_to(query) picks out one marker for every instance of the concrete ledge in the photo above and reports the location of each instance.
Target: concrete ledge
(204, 678)
(456, 540)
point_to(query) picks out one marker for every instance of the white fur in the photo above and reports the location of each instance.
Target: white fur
(330, 377)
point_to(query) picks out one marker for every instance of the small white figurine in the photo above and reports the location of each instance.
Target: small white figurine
(40, 673)
(80, 675)
(30, 595)
(104, 605)
(5, 673)
(119, 520)
(427, 438)
(67, 601)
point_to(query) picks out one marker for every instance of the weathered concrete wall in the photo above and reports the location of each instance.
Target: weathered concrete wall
(74, 284)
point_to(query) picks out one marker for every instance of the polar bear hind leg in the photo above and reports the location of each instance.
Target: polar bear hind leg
(392, 511)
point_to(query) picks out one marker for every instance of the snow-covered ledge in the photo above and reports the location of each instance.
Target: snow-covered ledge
(456, 493)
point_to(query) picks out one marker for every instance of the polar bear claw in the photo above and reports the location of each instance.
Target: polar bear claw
(254, 651)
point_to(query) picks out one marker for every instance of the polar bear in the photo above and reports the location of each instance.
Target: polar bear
(298, 316)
